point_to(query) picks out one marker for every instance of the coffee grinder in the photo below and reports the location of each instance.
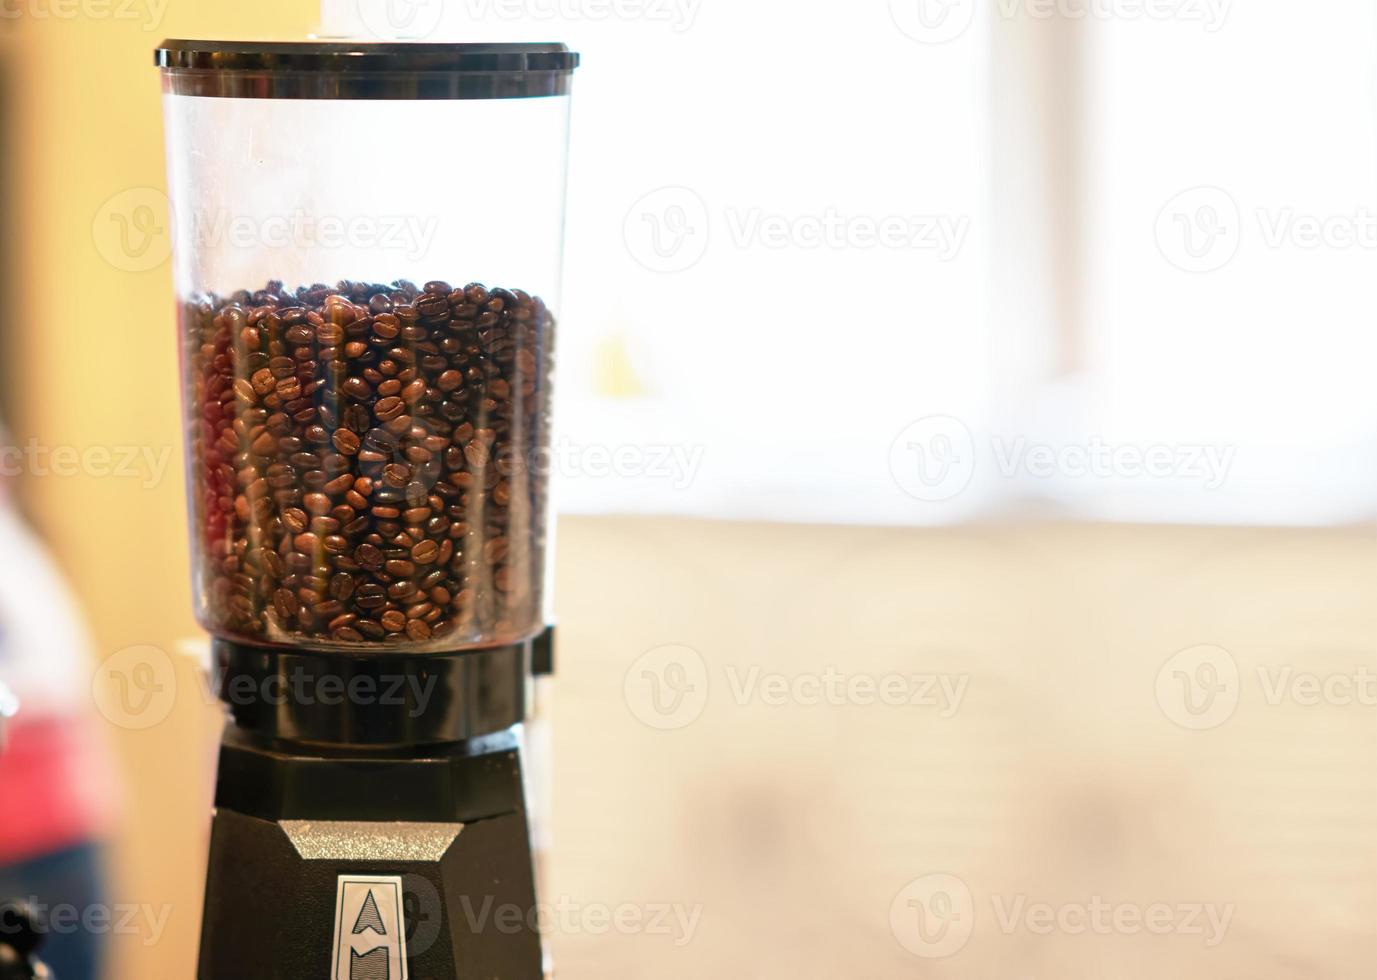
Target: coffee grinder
(367, 249)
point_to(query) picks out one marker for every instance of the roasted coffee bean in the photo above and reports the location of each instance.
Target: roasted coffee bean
(299, 334)
(342, 586)
(330, 334)
(317, 503)
(418, 630)
(346, 442)
(434, 306)
(476, 453)
(340, 484)
(370, 629)
(356, 419)
(370, 595)
(355, 449)
(388, 408)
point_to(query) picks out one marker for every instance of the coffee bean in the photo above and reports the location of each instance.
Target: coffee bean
(342, 586)
(345, 441)
(370, 595)
(340, 484)
(317, 503)
(388, 408)
(350, 440)
(286, 604)
(477, 454)
(418, 630)
(330, 334)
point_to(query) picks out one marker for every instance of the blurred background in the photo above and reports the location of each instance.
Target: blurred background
(973, 401)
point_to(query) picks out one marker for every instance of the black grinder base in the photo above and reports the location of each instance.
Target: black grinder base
(370, 818)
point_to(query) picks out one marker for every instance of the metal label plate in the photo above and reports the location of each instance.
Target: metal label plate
(370, 929)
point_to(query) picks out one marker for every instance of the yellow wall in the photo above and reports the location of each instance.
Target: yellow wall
(93, 364)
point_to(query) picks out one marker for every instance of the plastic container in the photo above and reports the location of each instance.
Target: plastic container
(368, 245)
